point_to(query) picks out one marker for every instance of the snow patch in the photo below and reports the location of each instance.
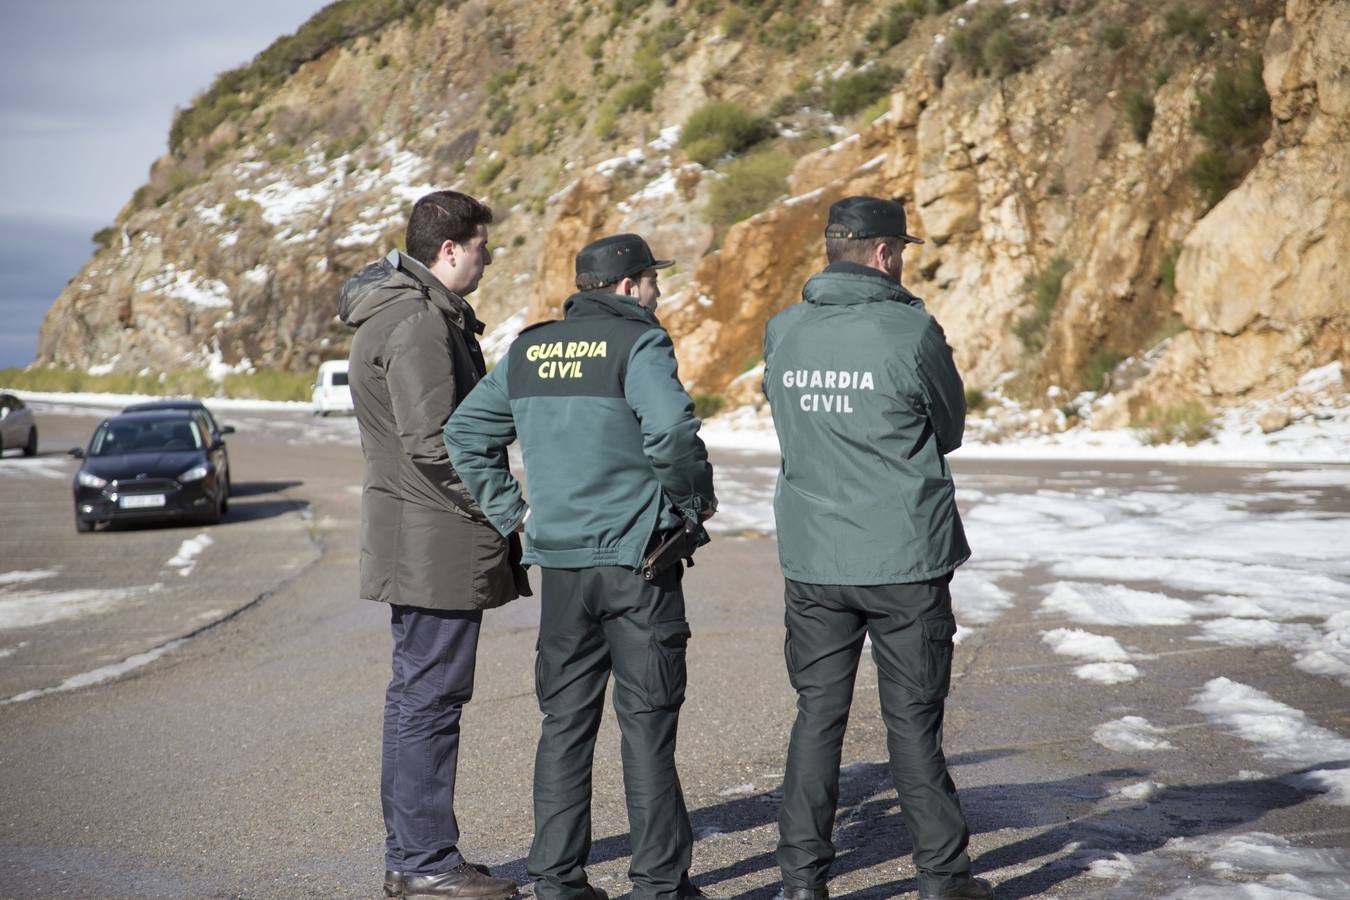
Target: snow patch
(25, 609)
(185, 560)
(1131, 734)
(1280, 732)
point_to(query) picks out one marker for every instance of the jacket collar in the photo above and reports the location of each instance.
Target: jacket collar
(846, 283)
(453, 305)
(599, 303)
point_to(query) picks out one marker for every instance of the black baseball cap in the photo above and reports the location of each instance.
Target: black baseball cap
(616, 257)
(868, 217)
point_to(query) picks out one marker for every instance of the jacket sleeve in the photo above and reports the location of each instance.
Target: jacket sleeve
(669, 430)
(942, 389)
(768, 357)
(420, 374)
(476, 438)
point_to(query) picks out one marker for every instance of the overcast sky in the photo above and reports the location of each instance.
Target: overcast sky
(87, 92)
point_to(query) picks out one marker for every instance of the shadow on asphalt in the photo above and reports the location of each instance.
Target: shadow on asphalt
(255, 488)
(872, 832)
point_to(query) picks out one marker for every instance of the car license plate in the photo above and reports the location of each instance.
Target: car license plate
(141, 501)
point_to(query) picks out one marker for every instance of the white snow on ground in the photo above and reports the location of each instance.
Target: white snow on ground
(1143, 791)
(1084, 645)
(1251, 866)
(193, 289)
(24, 609)
(101, 674)
(1131, 734)
(1110, 666)
(185, 560)
(1114, 604)
(1280, 732)
(22, 576)
(1304, 477)
(32, 467)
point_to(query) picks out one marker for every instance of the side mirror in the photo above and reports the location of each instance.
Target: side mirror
(77, 452)
(227, 429)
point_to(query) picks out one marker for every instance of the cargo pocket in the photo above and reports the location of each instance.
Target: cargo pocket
(666, 672)
(938, 631)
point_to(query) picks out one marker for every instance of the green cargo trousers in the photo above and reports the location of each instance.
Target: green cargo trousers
(911, 627)
(591, 622)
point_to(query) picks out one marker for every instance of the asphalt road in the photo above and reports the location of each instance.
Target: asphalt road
(244, 762)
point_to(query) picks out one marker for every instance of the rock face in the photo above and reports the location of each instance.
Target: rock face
(1263, 280)
(1077, 163)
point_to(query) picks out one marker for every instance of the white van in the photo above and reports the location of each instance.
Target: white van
(331, 391)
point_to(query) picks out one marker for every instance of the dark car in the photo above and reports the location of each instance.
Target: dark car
(17, 428)
(152, 465)
(218, 431)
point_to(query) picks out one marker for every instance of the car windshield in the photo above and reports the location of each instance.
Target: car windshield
(113, 438)
(339, 379)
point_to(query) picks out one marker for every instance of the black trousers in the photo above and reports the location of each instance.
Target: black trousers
(911, 627)
(432, 679)
(593, 622)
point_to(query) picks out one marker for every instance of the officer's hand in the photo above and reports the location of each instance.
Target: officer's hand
(706, 514)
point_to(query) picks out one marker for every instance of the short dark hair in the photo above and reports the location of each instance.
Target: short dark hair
(443, 216)
(588, 282)
(854, 250)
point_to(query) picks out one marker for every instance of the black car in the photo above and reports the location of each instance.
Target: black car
(160, 464)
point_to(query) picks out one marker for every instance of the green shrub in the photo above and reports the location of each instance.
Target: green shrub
(1114, 36)
(992, 44)
(594, 46)
(105, 236)
(267, 384)
(976, 399)
(490, 170)
(717, 129)
(1233, 116)
(892, 28)
(1099, 365)
(1044, 292)
(264, 384)
(708, 405)
(1188, 423)
(748, 186)
(1235, 111)
(852, 93)
(733, 21)
(790, 34)
(1182, 21)
(1167, 269)
(1139, 111)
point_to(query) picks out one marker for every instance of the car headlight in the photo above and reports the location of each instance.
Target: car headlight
(90, 481)
(196, 473)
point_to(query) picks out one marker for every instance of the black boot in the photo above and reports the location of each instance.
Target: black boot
(963, 888)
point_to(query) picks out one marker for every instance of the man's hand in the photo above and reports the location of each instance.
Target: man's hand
(706, 514)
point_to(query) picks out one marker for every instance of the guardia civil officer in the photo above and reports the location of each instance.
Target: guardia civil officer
(867, 402)
(426, 549)
(613, 460)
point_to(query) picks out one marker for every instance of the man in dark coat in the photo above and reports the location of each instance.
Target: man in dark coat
(426, 548)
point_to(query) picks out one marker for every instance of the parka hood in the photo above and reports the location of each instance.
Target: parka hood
(391, 279)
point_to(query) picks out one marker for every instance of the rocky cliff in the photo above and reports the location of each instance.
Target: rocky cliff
(1118, 195)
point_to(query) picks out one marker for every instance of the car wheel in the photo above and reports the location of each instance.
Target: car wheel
(217, 509)
(225, 497)
(30, 448)
(83, 526)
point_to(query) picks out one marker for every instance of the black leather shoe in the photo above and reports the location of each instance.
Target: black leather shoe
(465, 880)
(965, 889)
(394, 883)
(820, 893)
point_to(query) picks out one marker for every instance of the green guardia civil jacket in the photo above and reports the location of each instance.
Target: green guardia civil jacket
(607, 435)
(867, 402)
